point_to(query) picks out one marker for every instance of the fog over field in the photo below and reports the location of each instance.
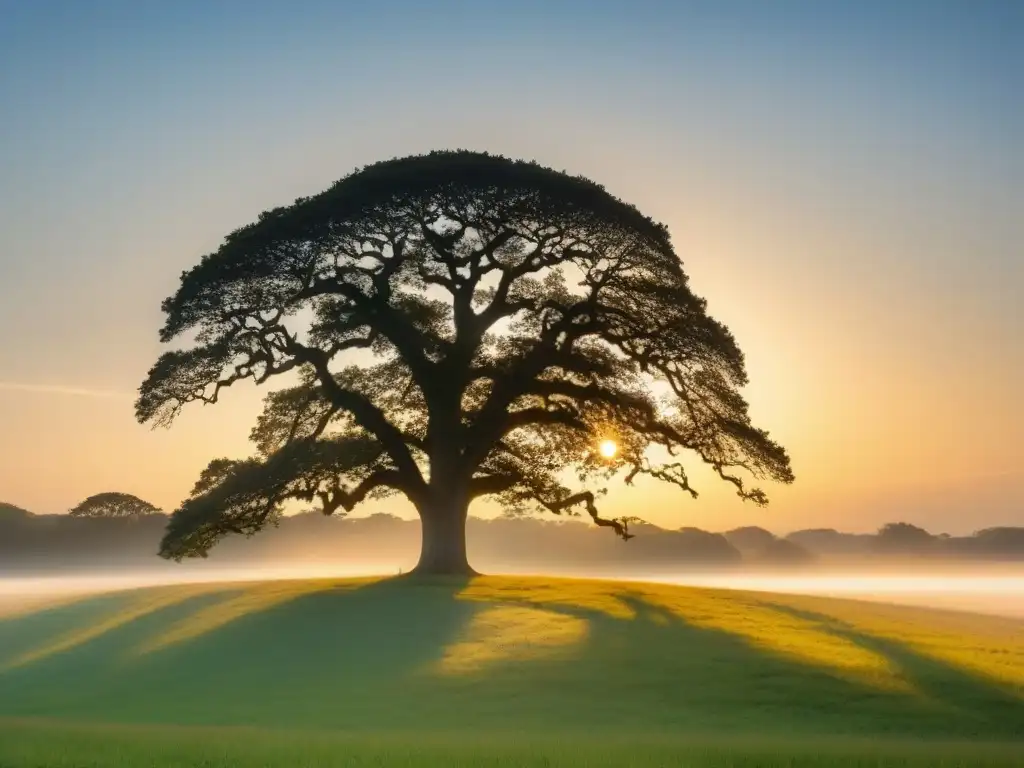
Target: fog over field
(45, 556)
(999, 593)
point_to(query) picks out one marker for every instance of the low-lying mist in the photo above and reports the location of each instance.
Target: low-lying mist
(44, 555)
(995, 593)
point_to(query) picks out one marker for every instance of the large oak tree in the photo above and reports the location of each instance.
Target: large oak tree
(453, 326)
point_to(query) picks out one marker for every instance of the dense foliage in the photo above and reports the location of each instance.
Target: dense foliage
(113, 504)
(454, 325)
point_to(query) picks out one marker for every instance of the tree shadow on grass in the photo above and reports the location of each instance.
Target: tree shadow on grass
(332, 656)
(51, 629)
(53, 662)
(402, 654)
(658, 672)
(979, 705)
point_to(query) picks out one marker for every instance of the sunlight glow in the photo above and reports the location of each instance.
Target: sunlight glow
(608, 448)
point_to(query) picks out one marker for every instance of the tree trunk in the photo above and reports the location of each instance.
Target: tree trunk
(443, 547)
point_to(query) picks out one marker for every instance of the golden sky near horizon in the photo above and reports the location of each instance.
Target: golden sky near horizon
(858, 384)
(855, 224)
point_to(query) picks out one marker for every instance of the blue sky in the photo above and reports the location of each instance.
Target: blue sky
(844, 182)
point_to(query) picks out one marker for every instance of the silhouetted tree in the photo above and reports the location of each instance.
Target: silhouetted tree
(828, 541)
(903, 537)
(991, 542)
(12, 513)
(503, 319)
(750, 538)
(781, 552)
(113, 504)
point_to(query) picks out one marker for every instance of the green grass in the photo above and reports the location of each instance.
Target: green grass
(64, 746)
(503, 671)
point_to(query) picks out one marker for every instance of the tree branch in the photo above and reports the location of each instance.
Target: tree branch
(620, 525)
(367, 415)
(331, 500)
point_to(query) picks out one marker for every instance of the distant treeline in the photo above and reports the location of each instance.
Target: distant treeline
(35, 543)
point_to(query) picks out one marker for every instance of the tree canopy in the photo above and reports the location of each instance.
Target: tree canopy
(113, 504)
(903, 536)
(452, 326)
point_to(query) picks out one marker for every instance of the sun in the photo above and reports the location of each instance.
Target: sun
(608, 448)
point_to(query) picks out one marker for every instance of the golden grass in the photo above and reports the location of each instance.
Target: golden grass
(989, 646)
(784, 634)
(252, 599)
(521, 618)
(580, 594)
(142, 603)
(511, 632)
(821, 632)
(530, 654)
(13, 606)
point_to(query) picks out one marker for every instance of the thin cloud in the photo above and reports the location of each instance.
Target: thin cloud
(59, 389)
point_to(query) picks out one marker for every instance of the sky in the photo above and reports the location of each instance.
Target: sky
(844, 183)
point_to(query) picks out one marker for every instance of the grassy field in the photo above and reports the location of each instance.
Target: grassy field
(502, 671)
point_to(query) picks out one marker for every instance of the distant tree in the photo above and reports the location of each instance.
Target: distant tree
(697, 544)
(995, 542)
(832, 542)
(380, 521)
(508, 327)
(781, 552)
(750, 538)
(903, 537)
(113, 504)
(11, 513)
